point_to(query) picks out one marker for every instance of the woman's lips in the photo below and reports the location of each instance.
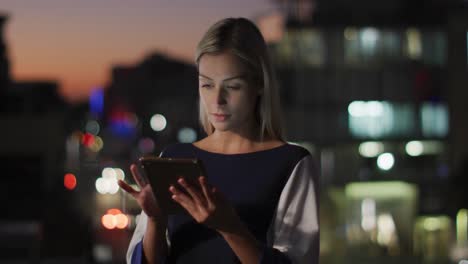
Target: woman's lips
(220, 117)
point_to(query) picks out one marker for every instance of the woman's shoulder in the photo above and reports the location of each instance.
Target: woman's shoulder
(296, 153)
(299, 149)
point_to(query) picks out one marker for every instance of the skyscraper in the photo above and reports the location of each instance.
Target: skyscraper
(4, 65)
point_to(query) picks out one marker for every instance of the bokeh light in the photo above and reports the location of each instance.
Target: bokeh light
(108, 221)
(369, 38)
(146, 145)
(78, 135)
(385, 161)
(357, 108)
(158, 122)
(101, 185)
(114, 211)
(119, 174)
(107, 183)
(187, 135)
(374, 108)
(108, 173)
(114, 218)
(414, 148)
(69, 181)
(92, 127)
(97, 145)
(87, 139)
(371, 149)
(113, 187)
(122, 123)
(369, 108)
(96, 102)
(350, 33)
(121, 221)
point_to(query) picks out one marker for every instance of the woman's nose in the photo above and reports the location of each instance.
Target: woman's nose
(220, 97)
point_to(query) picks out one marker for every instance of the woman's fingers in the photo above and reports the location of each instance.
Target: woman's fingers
(183, 199)
(192, 191)
(137, 176)
(206, 188)
(127, 188)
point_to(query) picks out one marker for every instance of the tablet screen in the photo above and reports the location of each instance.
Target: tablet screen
(161, 173)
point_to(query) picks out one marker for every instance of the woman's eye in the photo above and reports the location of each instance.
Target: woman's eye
(233, 87)
(205, 86)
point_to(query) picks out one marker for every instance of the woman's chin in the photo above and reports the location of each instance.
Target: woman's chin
(221, 128)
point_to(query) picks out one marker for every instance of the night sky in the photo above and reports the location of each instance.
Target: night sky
(77, 42)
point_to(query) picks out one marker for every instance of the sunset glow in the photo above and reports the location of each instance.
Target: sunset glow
(78, 43)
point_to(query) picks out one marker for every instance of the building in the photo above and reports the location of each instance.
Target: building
(4, 63)
(378, 88)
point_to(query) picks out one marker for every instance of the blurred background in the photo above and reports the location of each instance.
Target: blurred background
(376, 90)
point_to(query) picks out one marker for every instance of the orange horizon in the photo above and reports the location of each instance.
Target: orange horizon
(75, 86)
(77, 44)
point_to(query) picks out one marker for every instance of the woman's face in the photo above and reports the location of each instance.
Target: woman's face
(227, 96)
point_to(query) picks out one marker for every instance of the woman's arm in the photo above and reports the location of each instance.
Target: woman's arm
(243, 243)
(154, 241)
(149, 242)
(294, 231)
(295, 221)
(208, 206)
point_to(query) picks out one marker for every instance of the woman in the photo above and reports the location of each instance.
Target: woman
(261, 202)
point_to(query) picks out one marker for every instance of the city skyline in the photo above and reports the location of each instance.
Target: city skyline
(77, 43)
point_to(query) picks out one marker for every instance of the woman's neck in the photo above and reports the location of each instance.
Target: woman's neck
(229, 142)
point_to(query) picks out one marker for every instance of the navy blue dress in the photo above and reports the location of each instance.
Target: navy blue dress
(252, 182)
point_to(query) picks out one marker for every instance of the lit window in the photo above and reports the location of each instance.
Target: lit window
(413, 43)
(369, 38)
(434, 48)
(434, 120)
(375, 119)
(302, 46)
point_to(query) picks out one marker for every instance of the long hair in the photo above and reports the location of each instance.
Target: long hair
(242, 38)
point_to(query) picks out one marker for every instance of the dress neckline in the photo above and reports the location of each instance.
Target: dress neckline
(239, 154)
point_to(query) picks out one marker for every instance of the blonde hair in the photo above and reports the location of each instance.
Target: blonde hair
(243, 39)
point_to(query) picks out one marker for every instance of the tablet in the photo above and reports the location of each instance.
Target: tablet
(161, 173)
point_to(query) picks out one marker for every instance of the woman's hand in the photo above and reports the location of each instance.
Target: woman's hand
(144, 197)
(207, 206)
